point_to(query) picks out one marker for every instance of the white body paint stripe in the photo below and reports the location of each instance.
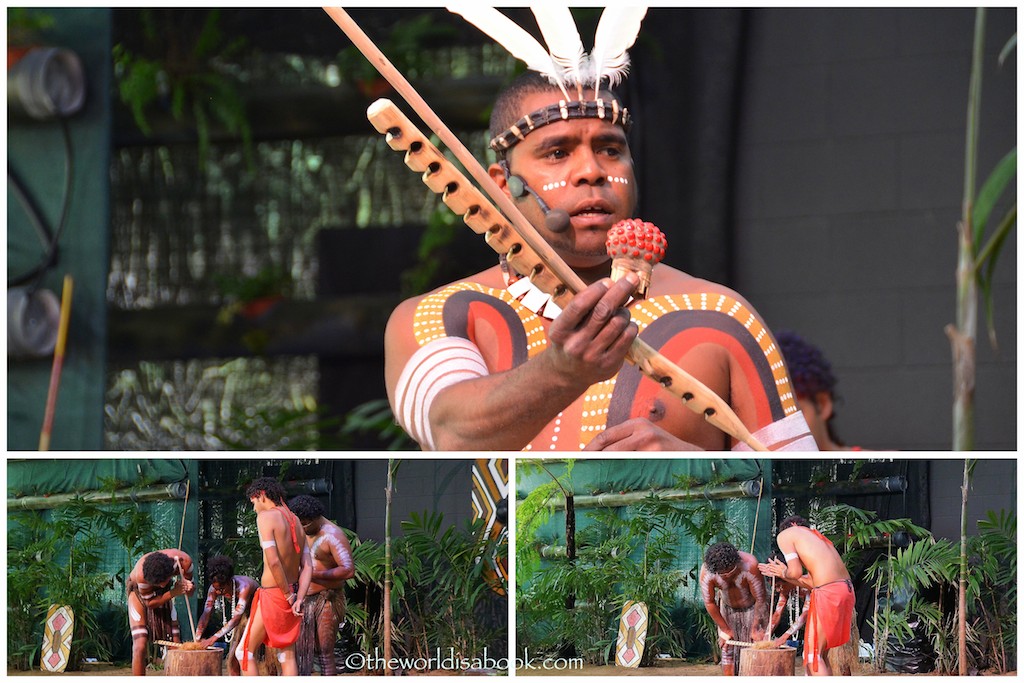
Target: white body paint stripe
(433, 368)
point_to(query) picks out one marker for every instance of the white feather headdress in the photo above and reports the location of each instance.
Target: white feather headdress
(564, 62)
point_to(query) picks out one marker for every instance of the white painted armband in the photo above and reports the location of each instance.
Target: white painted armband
(268, 544)
(791, 433)
(790, 556)
(435, 366)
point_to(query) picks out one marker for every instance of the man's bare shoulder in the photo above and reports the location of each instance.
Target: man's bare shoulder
(749, 561)
(488, 278)
(271, 517)
(668, 280)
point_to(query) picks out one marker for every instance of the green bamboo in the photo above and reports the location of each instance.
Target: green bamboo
(963, 335)
(387, 566)
(962, 598)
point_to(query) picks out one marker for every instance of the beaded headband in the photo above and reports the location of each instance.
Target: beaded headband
(562, 111)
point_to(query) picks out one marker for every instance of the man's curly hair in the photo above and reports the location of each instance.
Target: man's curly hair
(272, 488)
(306, 507)
(808, 368)
(721, 557)
(220, 569)
(794, 520)
(158, 568)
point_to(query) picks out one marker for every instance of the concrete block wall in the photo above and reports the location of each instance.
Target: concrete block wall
(993, 487)
(443, 486)
(850, 180)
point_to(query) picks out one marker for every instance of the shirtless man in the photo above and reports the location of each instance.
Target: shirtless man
(151, 593)
(743, 616)
(832, 597)
(487, 364)
(324, 607)
(276, 612)
(227, 585)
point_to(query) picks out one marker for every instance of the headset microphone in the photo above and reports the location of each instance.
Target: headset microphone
(556, 220)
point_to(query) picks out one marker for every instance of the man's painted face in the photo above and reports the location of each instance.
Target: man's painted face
(223, 586)
(582, 166)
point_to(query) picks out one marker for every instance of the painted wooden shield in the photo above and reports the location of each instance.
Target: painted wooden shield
(57, 632)
(632, 633)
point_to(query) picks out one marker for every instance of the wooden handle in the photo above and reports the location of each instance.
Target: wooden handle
(544, 269)
(171, 643)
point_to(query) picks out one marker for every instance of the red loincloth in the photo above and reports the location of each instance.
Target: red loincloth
(828, 619)
(282, 625)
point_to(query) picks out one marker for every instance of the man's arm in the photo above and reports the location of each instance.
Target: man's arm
(757, 589)
(707, 591)
(587, 343)
(341, 553)
(204, 618)
(305, 576)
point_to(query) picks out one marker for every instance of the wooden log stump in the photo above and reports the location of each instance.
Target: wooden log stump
(767, 662)
(178, 662)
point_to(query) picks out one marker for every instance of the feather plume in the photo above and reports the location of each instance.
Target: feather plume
(563, 40)
(513, 38)
(616, 33)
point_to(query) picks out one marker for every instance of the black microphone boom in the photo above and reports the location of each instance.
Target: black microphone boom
(556, 220)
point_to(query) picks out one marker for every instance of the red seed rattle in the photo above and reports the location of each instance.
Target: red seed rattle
(635, 246)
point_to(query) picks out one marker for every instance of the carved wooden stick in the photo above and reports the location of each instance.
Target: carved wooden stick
(536, 257)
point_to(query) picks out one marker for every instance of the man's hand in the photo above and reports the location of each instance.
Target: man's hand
(724, 636)
(772, 567)
(638, 434)
(207, 642)
(781, 640)
(593, 333)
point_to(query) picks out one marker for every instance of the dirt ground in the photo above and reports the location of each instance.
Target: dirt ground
(663, 668)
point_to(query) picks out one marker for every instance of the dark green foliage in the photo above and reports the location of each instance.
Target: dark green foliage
(439, 592)
(624, 554)
(56, 557)
(907, 581)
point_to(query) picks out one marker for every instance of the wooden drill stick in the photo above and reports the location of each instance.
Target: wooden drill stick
(563, 281)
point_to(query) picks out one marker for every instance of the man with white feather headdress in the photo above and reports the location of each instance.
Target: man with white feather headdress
(491, 363)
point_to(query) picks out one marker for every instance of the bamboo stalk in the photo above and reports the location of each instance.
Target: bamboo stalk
(58, 363)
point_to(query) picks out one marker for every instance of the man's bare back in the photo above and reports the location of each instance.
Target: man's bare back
(815, 553)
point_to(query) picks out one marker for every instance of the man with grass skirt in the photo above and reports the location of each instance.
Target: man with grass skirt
(323, 610)
(732, 577)
(153, 583)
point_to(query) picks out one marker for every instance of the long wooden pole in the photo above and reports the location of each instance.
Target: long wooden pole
(58, 363)
(715, 410)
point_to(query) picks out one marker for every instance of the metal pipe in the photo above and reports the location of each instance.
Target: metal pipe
(549, 552)
(172, 491)
(893, 484)
(743, 489)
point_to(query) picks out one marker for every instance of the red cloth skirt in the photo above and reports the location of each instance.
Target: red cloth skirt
(828, 619)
